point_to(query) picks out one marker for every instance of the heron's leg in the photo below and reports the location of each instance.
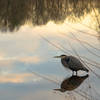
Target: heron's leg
(76, 73)
(72, 73)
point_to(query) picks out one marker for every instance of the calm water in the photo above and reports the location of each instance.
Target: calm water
(32, 33)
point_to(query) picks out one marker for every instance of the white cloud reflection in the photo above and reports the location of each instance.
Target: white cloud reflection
(33, 59)
(18, 78)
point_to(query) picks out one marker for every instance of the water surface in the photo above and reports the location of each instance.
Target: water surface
(28, 70)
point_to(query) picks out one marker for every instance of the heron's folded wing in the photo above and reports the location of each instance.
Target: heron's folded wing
(74, 62)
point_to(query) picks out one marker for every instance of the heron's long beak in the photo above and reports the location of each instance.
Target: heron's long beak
(57, 56)
(57, 89)
(61, 90)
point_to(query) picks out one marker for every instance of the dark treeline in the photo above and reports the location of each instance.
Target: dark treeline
(15, 13)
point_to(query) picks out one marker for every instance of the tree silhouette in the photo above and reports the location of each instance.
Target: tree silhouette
(15, 13)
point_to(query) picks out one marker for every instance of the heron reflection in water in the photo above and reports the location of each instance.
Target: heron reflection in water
(71, 83)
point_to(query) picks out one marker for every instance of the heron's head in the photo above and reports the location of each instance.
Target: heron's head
(61, 56)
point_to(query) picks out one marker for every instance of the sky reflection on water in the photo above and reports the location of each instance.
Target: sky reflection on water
(25, 51)
(28, 70)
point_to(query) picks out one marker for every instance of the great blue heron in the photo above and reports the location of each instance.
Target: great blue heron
(72, 63)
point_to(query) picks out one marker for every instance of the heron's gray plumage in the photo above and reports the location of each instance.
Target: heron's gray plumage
(72, 63)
